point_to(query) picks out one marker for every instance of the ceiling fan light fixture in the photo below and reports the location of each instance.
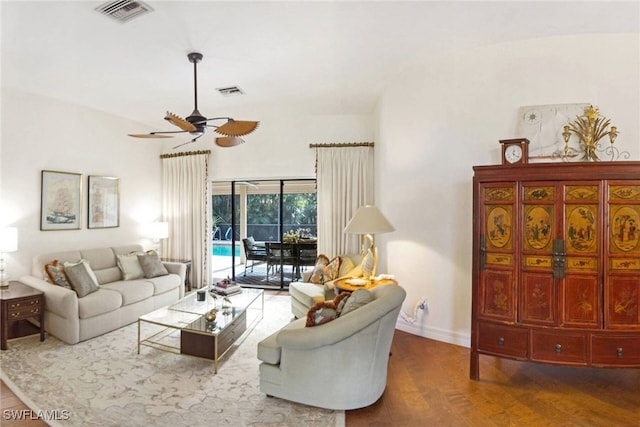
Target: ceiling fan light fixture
(229, 141)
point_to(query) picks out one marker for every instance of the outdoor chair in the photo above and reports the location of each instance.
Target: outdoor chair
(307, 254)
(253, 252)
(281, 254)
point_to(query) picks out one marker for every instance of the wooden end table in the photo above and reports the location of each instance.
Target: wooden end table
(342, 285)
(20, 302)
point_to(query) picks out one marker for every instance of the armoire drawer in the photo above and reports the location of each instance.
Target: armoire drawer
(559, 347)
(618, 350)
(503, 340)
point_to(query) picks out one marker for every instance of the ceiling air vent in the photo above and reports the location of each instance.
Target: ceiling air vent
(124, 10)
(230, 91)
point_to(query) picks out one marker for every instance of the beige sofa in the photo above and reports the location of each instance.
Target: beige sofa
(116, 303)
(305, 294)
(341, 364)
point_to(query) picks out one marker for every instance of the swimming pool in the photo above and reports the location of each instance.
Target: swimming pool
(225, 250)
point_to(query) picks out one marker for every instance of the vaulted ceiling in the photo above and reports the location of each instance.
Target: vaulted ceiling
(327, 57)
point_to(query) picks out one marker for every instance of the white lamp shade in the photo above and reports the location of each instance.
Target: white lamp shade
(8, 239)
(368, 220)
(159, 230)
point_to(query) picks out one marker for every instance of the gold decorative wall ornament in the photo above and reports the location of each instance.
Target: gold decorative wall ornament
(590, 128)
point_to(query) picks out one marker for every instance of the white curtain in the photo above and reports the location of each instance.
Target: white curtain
(344, 176)
(186, 207)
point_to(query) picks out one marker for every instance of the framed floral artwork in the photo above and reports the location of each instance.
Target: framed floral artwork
(104, 202)
(61, 201)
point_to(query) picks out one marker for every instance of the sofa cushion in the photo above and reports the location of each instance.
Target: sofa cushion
(130, 266)
(269, 350)
(357, 299)
(99, 302)
(346, 265)
(99, 258)
(151, 265)
(307, 293)
(131, 290)
(81, 278)
(162, 284)
(108, 275)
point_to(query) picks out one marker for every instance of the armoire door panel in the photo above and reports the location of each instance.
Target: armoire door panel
(497, 295)
(623, 302)
(582, 302)
(538, 299)
(581, 229)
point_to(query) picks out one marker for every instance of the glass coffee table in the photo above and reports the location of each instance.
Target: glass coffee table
(198, 336)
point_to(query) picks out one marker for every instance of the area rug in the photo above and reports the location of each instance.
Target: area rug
(104, 382)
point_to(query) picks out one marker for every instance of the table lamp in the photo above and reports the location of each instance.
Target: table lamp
(368, 220)
(158, 231)
(8, 243)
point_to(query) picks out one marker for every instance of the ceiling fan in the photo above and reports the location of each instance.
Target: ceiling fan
(196, 124)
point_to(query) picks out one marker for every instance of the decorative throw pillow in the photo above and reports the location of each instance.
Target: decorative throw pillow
(317, 274)
(325, 311)
(81, 277)
(346, 265)
(87, 266)
(331, 270)
(55, 273)
(357, 299)
(151, 265)
(130, 266)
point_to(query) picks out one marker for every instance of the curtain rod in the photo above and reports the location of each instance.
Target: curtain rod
(185, 153)
(350, 144)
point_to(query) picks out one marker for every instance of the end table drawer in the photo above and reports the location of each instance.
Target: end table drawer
(25, 308)
(25, 303)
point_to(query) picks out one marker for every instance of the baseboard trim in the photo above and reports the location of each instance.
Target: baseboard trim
(451, 337)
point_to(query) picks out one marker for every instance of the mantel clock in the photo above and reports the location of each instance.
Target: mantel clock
(515, 151)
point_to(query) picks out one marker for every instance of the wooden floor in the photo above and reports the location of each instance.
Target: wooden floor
(428, 385)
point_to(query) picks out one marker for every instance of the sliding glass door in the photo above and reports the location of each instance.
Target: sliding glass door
(266, 212)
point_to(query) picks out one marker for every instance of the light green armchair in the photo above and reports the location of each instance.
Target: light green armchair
(339, 365)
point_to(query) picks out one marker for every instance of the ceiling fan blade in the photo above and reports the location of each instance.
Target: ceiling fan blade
(229, 141)
(149, 135)
(180, 122)
(237, 128)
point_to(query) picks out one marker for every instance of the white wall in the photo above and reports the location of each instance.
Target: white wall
(42, 133)
(45, 134)
(446, 115)
(279, 148)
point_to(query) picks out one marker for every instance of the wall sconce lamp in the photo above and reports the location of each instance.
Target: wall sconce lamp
(8, 243)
